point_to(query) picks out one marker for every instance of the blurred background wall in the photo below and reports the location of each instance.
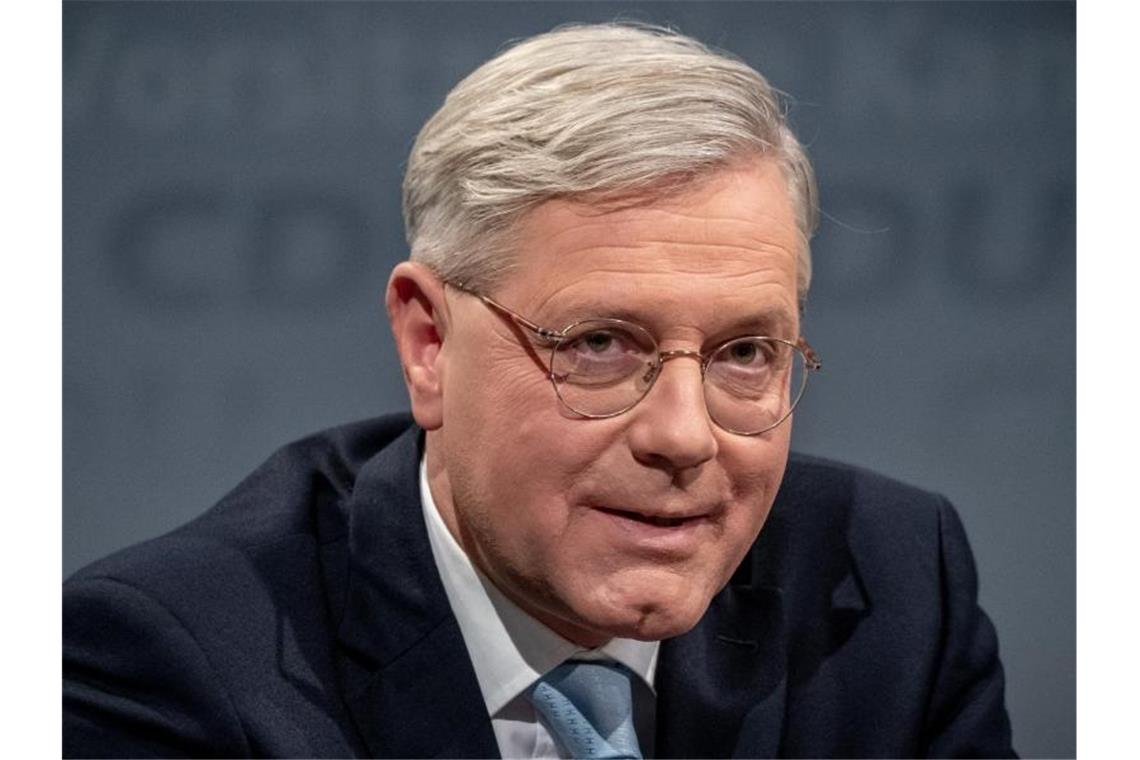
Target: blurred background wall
(231, 211)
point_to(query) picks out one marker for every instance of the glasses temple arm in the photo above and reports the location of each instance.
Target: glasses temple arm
(813, 362)
(542, 332)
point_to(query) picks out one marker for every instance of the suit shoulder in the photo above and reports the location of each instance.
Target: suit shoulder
(278, 516)
(814, 484)
(832, 513)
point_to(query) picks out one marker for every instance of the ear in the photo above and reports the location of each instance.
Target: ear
(418, 314)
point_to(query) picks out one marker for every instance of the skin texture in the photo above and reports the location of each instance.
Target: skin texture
(533, 493)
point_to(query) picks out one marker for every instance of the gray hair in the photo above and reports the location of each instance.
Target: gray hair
(605, 113)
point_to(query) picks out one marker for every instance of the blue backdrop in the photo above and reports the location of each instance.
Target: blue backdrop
(231, 212)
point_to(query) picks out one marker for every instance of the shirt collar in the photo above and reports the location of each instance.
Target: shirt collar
(509, 649)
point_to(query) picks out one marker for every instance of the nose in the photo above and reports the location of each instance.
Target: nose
(671, 428)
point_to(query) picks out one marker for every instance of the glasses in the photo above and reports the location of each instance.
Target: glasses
(603, 367)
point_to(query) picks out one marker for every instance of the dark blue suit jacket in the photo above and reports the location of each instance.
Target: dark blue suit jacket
(303, 616)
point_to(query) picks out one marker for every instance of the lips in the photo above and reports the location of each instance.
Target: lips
(661, 521)
(660, 535)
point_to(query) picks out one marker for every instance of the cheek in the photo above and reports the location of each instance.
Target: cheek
(758, 462)
(511, 442)
(491, 388)
(755, 468)
(502, 401)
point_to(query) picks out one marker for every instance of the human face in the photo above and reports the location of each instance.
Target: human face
(624, 526)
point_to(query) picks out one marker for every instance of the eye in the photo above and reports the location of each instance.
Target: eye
(598, 352)
(745, 353)
(601, 345)
(594, 342)
(748, 360)
(597, 342)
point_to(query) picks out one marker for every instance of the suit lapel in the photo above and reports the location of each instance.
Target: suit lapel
(405, 673)
(728, 687)
(721, 686)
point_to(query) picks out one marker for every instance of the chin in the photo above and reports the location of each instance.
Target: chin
(650, 620)
(658, 629)
(656, 626)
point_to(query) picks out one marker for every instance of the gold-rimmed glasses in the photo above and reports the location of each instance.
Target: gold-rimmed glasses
(602, 367)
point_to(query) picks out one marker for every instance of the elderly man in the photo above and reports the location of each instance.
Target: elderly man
(591, 541)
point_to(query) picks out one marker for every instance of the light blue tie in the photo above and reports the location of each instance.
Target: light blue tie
(588, 706)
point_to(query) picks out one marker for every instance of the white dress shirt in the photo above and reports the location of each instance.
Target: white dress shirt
(510, 650)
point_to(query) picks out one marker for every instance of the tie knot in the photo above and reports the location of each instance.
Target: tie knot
(588, 707)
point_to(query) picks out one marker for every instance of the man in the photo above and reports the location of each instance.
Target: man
(591, 541)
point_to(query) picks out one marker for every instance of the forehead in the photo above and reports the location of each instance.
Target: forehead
(724, 250)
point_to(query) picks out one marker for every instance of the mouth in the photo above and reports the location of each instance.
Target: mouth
(654, 520)
(660, 535)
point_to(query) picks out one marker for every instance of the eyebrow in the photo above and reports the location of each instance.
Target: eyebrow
(774, 322)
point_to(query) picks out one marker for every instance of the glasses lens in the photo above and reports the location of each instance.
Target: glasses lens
(603, 366)
(752, 384)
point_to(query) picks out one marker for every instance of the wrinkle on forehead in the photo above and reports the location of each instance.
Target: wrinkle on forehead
(726, 264)
(734, 201)
(715, 255)
(599, 284)
(601, 279)
(695, 237)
